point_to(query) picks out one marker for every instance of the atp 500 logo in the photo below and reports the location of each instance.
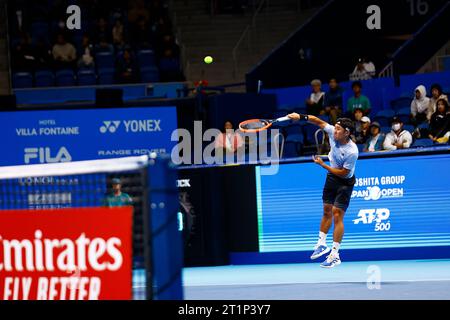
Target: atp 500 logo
(379, 216)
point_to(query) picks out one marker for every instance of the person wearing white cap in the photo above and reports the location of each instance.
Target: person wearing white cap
(363, 133)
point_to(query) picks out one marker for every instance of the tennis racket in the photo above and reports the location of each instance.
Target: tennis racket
(257, 125)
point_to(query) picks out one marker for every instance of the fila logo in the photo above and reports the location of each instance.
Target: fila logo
(44, 155)
(110, 126)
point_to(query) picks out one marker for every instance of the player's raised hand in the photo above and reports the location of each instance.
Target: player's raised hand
(317, 160)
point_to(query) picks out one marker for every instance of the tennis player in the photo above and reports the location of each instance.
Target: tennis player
(338, 186)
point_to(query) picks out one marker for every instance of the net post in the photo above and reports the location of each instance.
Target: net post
(147, 237)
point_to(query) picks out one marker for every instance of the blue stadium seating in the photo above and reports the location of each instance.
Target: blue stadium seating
(65, 78)
(309, 132)
(360, 146)
(401, 103)
(104, 60)
(384, 117)
(291, 149)
(404, 114)
(166, 64)
(44, 78)
(408, 127)
(385, 129)
(106, 76)
(87, 77)
(446, 63)
(149, 74)
(421, 143)
(146, 58)
(22, 80)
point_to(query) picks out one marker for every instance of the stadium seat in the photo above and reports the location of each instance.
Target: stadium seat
(291, 149)
(446, 64)
(422, 143)
(106, 76)
(360, 146)
(169, 64)
(408, 127)
(404, 114)
(386, 129)
(309, 132)
(401, 103)
(87, 77)
(146, 58)
(104, 60)
(22, 80)
(384, 117)
(65, 78)
(149, 74)
(44, 79)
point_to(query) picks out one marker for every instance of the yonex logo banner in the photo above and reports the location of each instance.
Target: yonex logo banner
(40, 260)
(34, 137)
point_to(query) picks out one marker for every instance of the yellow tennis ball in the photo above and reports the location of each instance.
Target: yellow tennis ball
(208, 59)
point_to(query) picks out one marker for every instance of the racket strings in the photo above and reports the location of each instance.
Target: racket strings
(254, 125)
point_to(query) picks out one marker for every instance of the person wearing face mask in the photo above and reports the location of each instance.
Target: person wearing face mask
(420, 105)
(397, 138)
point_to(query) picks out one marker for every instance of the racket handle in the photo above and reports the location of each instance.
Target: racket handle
(285, 118)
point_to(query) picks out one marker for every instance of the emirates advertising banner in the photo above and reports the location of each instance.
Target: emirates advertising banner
(66, 254)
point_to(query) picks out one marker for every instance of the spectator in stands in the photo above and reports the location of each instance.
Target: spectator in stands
(358, 101)
(64, 53)
(440, 123)
(141, 37)
(360, 72)
(117, 34)
(363, 132)
(102, 30)
(357, 116)
(127, 71)
(229, 140)
(420, 106)
(137, 10)
(375, 140)
(397, 138)
(104, 46)
(314, 104)
(333, 101)
(370, 67)
(23, 59)
(436, 94)
(87, 59)
(42, 54)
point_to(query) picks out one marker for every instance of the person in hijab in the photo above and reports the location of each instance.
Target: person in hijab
(420, 106)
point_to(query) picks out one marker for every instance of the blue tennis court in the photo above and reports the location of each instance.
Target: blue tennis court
(399, 280)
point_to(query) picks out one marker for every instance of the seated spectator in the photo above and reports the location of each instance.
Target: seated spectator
(22, 57)
(436, 94)
(375, 140)
(333, 101)
(370, 67)
(64, 53)
(137, 10)
(397, 138)
(102, 31)
(127, 71)
(117, 34)
(87, 59)
(440, 123)
(42, 54)
(104, 46)
(358, 101)
(229, 140)
(314, 104)
(360, 72)
(362, 132)
(141, 36)
(420, 105)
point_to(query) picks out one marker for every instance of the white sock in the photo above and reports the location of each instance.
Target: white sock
(322, 239)
(335, 249)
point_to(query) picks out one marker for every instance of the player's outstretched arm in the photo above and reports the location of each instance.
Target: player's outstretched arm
(311, 119)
